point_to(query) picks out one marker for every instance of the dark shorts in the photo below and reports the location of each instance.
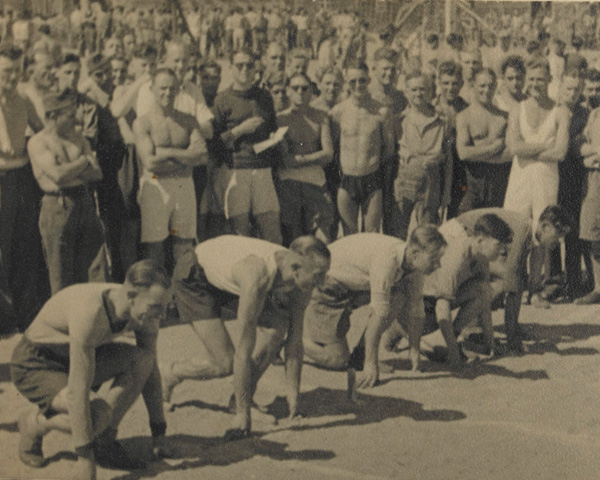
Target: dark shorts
(306, 205)
(486, 185)
(360, 189)
(197, 299)
(40, 372)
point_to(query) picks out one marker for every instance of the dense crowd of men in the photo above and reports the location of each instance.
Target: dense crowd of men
(311, 180)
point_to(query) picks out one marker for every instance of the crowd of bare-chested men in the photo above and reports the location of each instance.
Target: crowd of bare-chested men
(431, 187)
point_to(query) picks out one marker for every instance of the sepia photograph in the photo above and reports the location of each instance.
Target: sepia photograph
(299, 239)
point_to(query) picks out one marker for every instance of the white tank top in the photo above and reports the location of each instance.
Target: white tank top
(545, 132)
(218, 256)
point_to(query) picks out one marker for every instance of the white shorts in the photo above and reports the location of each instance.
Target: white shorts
(532, 186)
(168, 207)
(246, 191)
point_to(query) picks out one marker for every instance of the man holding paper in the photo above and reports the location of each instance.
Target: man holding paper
(245, 117)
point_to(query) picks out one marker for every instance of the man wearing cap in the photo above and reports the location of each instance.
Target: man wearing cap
(170, 145)
(64, 165)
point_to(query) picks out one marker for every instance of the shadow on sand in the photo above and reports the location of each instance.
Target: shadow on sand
(325, 402)
(540, 339)
(9, 427)
(197, 452)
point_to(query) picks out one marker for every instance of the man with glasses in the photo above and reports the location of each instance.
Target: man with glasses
(306, 206)
(359, 130)
(245, 116)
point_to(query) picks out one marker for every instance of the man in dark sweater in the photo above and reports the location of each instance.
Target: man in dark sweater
(245, 116)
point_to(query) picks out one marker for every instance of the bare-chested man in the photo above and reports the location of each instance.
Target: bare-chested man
(64, 166)
(70, 350)
(170, 145)
(358, 128)
(538, 137)
(480, 142)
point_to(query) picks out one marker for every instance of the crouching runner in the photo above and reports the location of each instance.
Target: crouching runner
(69, 351)
(270, 285)
(372, 269)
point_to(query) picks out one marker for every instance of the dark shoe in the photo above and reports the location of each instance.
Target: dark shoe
(589, 299)
(112, 455)
(30, 445)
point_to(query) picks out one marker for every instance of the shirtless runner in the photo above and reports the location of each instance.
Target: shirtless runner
(69, 351)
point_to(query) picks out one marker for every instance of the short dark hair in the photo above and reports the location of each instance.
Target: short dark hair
(11, 52)
(513, 61)
(491, 225)
(538, 62)
(146, 273)
(451, 69)
(69, 58)
(309, 245)
(558, 217)
(427, 237)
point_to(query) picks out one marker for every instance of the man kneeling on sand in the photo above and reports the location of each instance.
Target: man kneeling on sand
(70, 350)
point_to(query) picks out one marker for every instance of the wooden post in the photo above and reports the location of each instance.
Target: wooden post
(448, 10)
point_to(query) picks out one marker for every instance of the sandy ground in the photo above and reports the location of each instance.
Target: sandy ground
(530, 417)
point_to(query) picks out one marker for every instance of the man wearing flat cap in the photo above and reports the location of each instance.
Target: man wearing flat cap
(64, 166)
